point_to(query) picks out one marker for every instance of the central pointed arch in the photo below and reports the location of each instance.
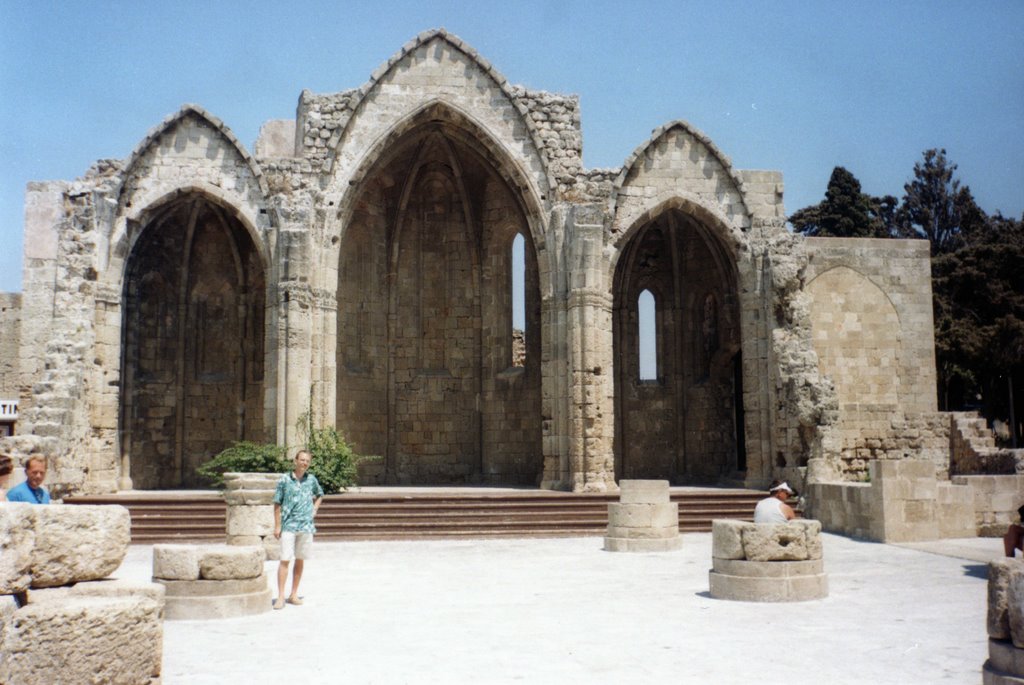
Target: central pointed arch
(424, 373)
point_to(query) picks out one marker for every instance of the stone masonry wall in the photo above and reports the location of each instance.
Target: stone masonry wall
(10, 333)
(871, 314)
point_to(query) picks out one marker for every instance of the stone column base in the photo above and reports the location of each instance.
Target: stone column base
(211, 599)
(644, 519)
(768, 581)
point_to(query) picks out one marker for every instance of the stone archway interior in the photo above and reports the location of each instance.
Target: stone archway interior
(193, 343)
(426, 375)
(680, 425)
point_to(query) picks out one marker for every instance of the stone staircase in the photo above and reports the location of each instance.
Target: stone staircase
(973, 448)
(426, 513)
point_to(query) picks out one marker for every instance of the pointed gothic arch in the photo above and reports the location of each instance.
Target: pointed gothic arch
(192, 340)
(423, 307)
(683, 426)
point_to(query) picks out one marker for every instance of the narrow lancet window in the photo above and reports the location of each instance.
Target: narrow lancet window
(518, 300)
(647, 337)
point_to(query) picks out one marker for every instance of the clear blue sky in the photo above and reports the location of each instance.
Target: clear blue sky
(796, 86)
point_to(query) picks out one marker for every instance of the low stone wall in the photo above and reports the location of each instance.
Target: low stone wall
(902, 502)
(869, 432)
(1005, 663)
(758, 562)
(644, 519)
(211, 581)
(995, 501)
(250, 516)
(60, 622)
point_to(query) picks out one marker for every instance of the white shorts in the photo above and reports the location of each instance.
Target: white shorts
(296, 545)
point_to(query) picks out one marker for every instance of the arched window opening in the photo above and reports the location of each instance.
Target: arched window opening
(647, 338)
(518, 300)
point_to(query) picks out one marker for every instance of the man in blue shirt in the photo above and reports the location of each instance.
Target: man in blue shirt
(296, 499)
(32, 490)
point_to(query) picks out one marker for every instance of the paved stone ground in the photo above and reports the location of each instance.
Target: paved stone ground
(564, 611)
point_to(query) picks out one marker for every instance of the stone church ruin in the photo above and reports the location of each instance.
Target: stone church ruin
(359, 263)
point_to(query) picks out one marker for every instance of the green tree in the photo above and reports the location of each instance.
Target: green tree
(936, 207)
(978, 290)
(333, 462)
(846, 211)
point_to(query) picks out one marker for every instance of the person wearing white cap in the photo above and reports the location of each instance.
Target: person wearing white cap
(773, 508)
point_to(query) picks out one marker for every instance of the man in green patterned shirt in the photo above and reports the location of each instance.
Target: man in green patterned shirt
(296, 500)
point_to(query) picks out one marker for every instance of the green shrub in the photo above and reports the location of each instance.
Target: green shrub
(245, 457)
(333, 462)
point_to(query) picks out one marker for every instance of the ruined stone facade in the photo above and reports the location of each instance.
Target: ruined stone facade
(358, 264)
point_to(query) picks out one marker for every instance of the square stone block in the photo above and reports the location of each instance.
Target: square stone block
(250, 520)
(229, 562)
(727, 538)
(176, 562)
(643, 491)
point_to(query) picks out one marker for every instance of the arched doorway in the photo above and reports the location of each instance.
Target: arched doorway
(192, 326)
(431, 370)
(678, 416)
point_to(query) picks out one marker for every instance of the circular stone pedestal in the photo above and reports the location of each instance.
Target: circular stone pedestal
(211, 581)
(768, 581)
(206, 599)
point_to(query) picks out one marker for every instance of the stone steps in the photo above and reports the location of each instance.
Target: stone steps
(200, 517)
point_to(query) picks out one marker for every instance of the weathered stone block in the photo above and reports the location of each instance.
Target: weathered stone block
(176, 562)
(1015, 608)
(78, 543)
(727, 538)
(1000, 572)
(780, 542)
(251, 481)
(210, 588)
(250, 520)
(643, 491)
(643, 515)
(84, 640)
(17, 538)
(231, 562)
(768, 569)
(244, 497)
(643, 533)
